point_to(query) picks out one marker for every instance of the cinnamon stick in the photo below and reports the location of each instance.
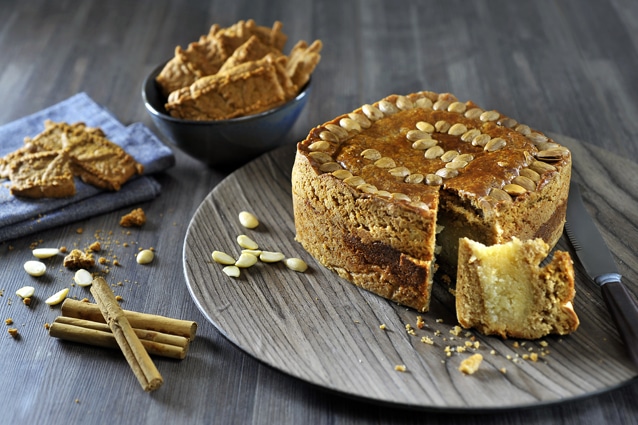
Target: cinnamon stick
(99, 334)
(133, 350)
(151, 322)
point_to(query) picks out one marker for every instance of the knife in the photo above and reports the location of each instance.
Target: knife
(594, 255)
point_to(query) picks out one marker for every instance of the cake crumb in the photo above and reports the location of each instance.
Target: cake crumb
(471, 364)
(400, 368)
(383, 327)
(8, 321)
(95, 246)
(78, 260)
(136, 217)
(13, 332)
(420, 323)
(427, 340)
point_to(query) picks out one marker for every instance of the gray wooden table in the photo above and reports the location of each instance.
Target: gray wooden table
(566, 67)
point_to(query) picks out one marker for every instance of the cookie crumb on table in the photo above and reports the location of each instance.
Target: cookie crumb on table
(471, 364)
(137, 217)
(78, 260)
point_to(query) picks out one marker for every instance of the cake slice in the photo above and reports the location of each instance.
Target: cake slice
(502, 290)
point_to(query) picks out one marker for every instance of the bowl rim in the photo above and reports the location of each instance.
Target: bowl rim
(150, 79)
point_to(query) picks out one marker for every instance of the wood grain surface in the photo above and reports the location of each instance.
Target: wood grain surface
(319, 328)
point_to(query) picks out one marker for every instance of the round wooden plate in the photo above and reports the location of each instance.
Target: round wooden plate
(324, 330)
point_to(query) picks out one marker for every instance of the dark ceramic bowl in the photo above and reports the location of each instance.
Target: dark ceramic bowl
(224, 142)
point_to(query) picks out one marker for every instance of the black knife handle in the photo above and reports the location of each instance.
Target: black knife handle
(625, 313)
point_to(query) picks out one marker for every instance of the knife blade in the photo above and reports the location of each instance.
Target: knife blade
(599, 264)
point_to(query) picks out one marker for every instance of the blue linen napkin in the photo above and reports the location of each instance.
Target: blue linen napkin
(23, 216)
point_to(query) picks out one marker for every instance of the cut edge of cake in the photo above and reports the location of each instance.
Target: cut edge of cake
(502, 289)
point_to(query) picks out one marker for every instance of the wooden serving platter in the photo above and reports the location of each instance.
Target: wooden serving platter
(324, 330)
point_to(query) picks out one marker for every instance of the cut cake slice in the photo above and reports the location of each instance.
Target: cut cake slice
(502, 290)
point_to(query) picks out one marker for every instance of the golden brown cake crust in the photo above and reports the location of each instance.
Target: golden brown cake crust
(423, 159)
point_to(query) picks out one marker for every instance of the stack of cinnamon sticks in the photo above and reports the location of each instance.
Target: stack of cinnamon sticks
(105, 324)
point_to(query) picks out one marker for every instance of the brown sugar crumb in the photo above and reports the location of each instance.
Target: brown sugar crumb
(64, 249)
(471, 364)
(13, 332)
(137, 217)
(78, 260)
(95, 246)
(26, 301)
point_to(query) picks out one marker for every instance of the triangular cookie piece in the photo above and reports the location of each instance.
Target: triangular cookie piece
(42, 175)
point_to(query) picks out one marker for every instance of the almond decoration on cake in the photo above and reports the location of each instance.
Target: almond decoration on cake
(236, 71)
(45, 166)
(383, 194)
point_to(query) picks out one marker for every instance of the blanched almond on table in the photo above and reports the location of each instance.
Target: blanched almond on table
(35, 268)
(248, 220)
(222, 258)
(25, 292)
(246, 260)
(45, 252)
(271, 257)
(232, 271)
(83, 277)
(245, 242)
(296, 264)
(255, 252)
(58, 297)
(145, 256)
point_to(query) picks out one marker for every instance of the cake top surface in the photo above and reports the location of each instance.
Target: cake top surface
(410, 147)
